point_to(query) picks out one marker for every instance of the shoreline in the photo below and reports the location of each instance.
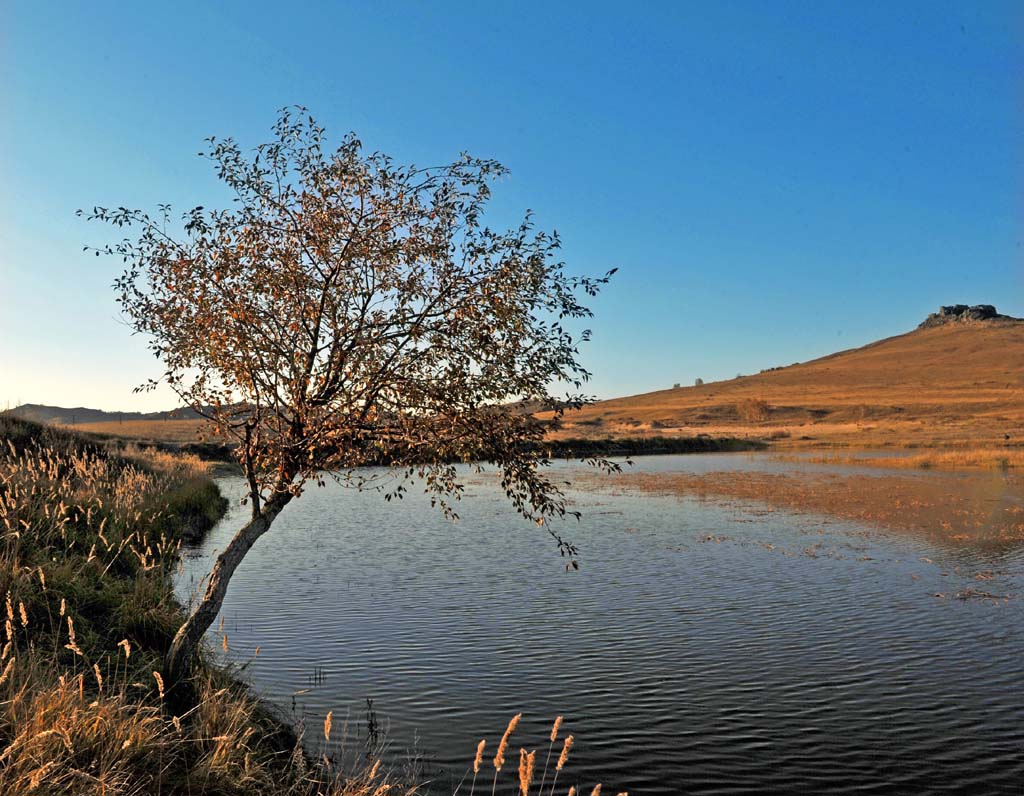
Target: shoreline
(562, 448)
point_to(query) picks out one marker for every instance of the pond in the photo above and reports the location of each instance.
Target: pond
(703, 647)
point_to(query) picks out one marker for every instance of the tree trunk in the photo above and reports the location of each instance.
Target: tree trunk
(186, 640)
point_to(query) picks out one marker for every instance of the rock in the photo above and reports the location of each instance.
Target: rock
(963, 313)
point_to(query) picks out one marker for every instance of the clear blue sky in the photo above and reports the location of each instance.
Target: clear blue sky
(775, 180)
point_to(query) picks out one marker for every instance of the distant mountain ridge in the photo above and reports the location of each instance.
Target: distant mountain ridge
(60, 415)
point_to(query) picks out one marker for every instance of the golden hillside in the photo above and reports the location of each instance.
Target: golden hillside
(951, 385)
(954, 385)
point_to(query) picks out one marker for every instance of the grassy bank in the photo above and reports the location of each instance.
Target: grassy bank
(964, 459)
(89, 539)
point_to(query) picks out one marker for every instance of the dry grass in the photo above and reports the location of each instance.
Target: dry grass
(975, 459)
(181, 431)
(524, 777)
(945, 387)
(175, 465)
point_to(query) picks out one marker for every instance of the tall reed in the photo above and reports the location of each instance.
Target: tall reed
(563, 758)
(551, 743)
(476, 763)
(499, 757)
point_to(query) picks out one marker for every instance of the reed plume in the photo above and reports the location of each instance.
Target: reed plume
(565, 753)
(499, 757)
(7, 671)
(562, 758)
(72, 643)
(554, 736)
(525, 771)
(476, 763)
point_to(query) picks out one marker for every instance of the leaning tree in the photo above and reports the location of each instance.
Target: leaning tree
(345, 310)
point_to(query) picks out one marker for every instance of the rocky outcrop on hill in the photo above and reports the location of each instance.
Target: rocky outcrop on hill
(963, 313)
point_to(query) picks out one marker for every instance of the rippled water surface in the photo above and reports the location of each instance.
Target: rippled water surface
(702, 647)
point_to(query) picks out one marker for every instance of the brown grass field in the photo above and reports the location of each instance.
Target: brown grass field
(162, 430)
(1004, 458)
(959, 386)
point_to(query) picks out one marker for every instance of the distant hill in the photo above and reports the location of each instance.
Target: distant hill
(957, 380)
(78, 415)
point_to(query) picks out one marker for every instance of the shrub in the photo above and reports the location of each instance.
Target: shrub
(753, 409)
